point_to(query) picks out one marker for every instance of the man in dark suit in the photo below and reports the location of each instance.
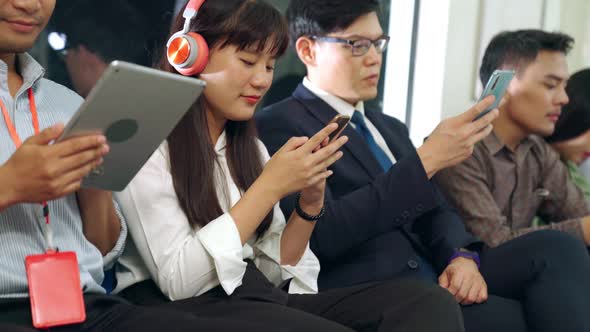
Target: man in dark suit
(383, 218)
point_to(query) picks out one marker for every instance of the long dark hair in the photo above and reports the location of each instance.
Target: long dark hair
(244, 24)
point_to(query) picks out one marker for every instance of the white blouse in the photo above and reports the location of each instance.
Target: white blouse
(186, 262)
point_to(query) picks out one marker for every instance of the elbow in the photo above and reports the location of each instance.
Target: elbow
(176, 285)
(291, 258)
(105, 244)
(171, 288)
(106, 237)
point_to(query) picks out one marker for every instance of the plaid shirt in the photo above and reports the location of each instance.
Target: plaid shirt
(498, 192)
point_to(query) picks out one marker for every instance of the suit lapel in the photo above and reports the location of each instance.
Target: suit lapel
(324, 113)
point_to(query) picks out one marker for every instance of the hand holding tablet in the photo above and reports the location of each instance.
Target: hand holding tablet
(135, 108)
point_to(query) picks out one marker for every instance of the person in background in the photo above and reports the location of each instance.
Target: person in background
(571, 138)
(98, 32)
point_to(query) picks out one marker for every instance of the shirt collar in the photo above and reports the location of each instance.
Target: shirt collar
(341, 106)
(29, 69)
(495, 145)
(221, 144)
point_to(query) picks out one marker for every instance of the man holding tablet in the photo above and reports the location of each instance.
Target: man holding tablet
(45, 218)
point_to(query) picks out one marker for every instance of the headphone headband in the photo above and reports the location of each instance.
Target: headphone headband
(192, 8)
(187, 51)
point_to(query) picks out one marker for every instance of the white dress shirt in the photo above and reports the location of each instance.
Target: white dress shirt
(344, 108)
(186, 262)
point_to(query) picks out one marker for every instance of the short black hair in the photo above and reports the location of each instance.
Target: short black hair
(517, 49)
(320, 17)
(113, 29)
(575, 117)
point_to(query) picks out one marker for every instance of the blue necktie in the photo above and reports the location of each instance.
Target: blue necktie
(363, 130)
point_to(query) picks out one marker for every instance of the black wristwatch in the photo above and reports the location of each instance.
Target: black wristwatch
(304, 215)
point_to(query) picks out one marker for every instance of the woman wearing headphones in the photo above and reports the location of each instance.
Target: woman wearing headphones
(206, 229)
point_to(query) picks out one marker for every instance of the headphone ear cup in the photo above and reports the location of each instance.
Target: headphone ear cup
(201, 59)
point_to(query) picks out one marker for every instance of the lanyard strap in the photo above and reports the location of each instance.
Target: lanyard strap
(11, 129)
(17, 142)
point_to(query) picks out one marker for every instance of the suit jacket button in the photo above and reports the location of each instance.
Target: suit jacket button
(412, 264)
(419, 208)
(406, 214)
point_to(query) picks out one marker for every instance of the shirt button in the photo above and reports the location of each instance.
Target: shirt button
(419, 208)
(406, 214)
(412, 264)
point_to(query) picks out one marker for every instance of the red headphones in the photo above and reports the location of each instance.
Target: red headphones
(187, 51)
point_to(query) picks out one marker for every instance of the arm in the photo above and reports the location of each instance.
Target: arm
(186, 262)
(296, 235)
(287, 255)
(443, 232)
(381, 205)
(303, 271)
(7, 192)
(100, 222)
(298, 164)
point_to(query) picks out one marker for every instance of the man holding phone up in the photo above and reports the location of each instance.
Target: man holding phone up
(514, 175)
(383, 217)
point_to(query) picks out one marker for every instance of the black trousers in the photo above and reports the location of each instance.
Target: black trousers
(547, 273)
(111, 313)
(403, 305)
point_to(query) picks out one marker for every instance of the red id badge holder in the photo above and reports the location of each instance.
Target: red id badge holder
(54, 288)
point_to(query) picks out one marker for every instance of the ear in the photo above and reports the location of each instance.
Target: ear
(305, 48)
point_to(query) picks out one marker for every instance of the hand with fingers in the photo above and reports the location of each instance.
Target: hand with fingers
(39, 171)
(311, 200)
(464, 281)
(453, 140)
(302, 164)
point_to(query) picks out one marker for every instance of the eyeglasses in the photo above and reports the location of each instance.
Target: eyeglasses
(359, 47)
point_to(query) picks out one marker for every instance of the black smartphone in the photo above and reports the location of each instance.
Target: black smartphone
(342, 121)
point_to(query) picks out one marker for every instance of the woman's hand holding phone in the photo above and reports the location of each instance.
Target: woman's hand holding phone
(302, 163)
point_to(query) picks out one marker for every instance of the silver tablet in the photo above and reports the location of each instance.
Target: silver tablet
(136, 108)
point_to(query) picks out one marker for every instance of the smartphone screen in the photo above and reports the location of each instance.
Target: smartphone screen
(497, 85)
